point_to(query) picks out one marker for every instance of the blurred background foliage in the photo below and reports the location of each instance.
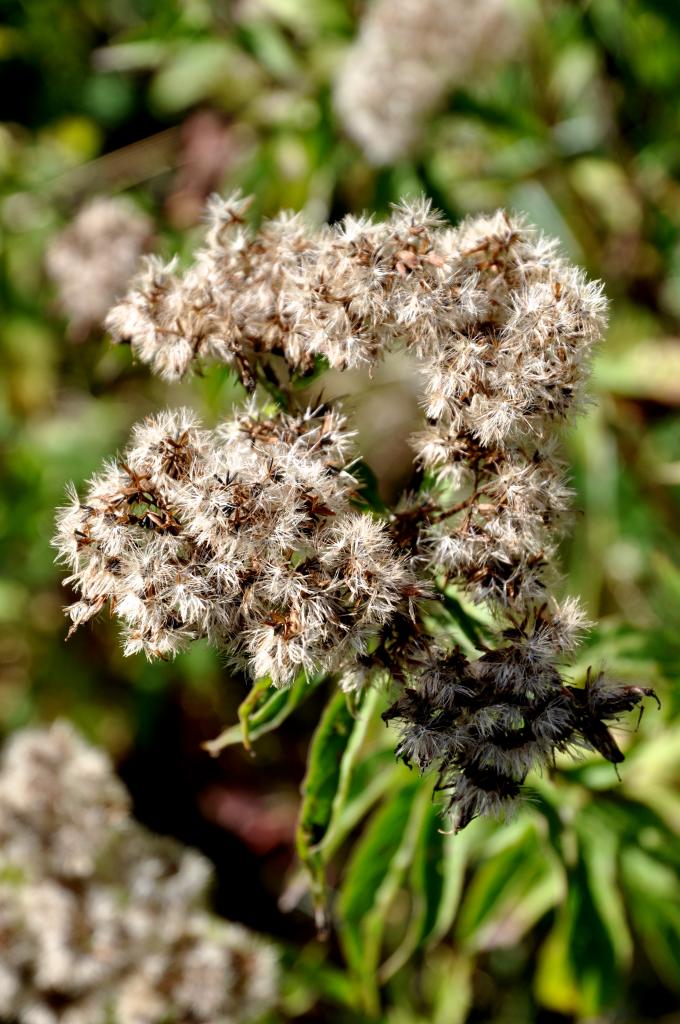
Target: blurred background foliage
(572, 912)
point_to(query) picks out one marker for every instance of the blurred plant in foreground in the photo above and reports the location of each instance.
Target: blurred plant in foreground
(99, 920)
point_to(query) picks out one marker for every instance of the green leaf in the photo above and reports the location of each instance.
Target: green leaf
(442, 995)
(474, 629)
(271, 48)
(653, 891)
(371, 779)
(649, 369)
(580, 965)
(512, 890)
(374, 875)
(458, 848)
(334, 747)
(599, 842)
(368, 490)
(306, 978)
(454, 993)
(202, 69)
(426, 886)
(263, 710)
(304, 380)
(364, 716)
(324, 767)
(503, 115)
(555, 985)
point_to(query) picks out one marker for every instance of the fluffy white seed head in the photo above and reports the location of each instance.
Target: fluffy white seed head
(247, 535)
(244, 535)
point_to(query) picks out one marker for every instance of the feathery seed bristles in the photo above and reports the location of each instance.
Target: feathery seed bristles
(244, 535)
(484, 724)
(502, 325)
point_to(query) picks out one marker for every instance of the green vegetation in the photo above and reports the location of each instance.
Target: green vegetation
(572, 911)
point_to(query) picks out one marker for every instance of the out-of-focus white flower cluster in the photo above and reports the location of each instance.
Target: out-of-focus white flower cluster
(100, 921)
(407, 56)
(244, 535)
(92, 260)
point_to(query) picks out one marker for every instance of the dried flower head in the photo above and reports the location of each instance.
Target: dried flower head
(244, 535)
(92, 260)
(229, 307)
(483, 724)
(351, 291)
(407, 56)
(100, 920)
(247, 534)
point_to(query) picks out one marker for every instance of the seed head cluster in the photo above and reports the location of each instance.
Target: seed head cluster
(100, 921)
(92, 260)
(350, 292)
(485, 723)
(499, 390)
(247, 534)
(407, 56)
(244, 535)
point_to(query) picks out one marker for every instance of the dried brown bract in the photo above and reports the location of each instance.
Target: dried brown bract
(484, 724)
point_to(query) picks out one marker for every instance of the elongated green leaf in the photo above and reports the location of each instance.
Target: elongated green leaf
(324, 766)
(201, 69)
(372, 777)
(653, 890)
(425, 885)
(449, 975)
(374, 875)
(555, 985)
(456, 854)
(263, 710)
(579, 971)
(365, 714)
(511, 891)
(333, 747)
(599, 843)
